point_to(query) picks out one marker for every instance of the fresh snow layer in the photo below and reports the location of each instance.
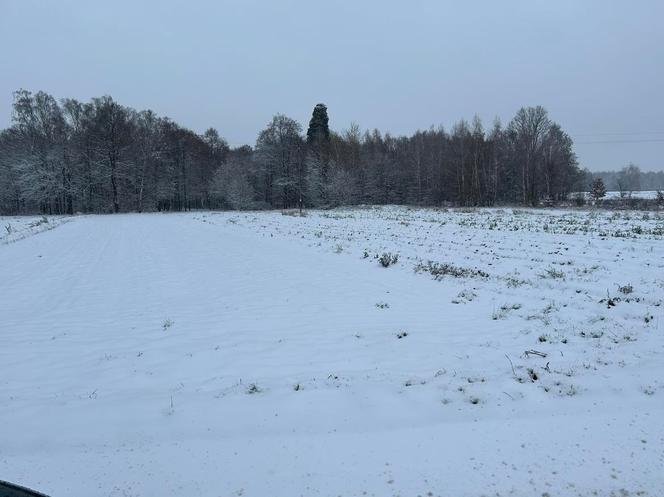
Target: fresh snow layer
(614, 194)
(256, 354)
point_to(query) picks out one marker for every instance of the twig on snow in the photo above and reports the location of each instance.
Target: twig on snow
(511, 364)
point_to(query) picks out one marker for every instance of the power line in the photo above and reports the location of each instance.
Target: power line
(652, 140)
(632, 133)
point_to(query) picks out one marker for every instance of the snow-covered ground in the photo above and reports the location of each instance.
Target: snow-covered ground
(14, 228)
(614, 194)
(254, 354)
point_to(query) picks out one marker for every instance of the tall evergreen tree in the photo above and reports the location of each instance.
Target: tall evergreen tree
(318, 133)
(318, 157)
(598, 190)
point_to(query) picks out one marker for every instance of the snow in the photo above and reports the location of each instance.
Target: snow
(615, 194)
(19, 227)
(252, 354)
(647, 194)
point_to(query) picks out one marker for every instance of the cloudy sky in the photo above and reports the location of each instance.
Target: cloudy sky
(596, 65)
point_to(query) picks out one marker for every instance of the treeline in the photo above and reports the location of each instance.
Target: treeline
(69, 156)
(630, 179)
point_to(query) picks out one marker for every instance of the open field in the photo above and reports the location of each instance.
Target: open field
(501, 353)
(614, 194)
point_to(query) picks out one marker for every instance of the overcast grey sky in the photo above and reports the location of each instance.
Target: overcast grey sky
(597, 66)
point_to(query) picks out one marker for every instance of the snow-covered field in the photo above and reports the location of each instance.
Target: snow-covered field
(614, 194)
(650, 194)
(17, 228)
(256, 354)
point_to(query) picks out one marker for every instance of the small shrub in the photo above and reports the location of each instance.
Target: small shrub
(659, 199)
(388, 259)
(648, 390)
(514, 282)
(505, 309)
(626, 289)
(552, 273)
(438, 270)
(253, 388)
(464, 296)
(610, 301)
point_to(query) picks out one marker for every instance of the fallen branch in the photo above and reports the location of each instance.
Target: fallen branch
(528, 353)
(511, 364)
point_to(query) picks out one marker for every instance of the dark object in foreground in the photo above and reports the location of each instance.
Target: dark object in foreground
(10, 490)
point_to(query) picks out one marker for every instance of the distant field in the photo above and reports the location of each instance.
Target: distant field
(646, 194)
(501, 352)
